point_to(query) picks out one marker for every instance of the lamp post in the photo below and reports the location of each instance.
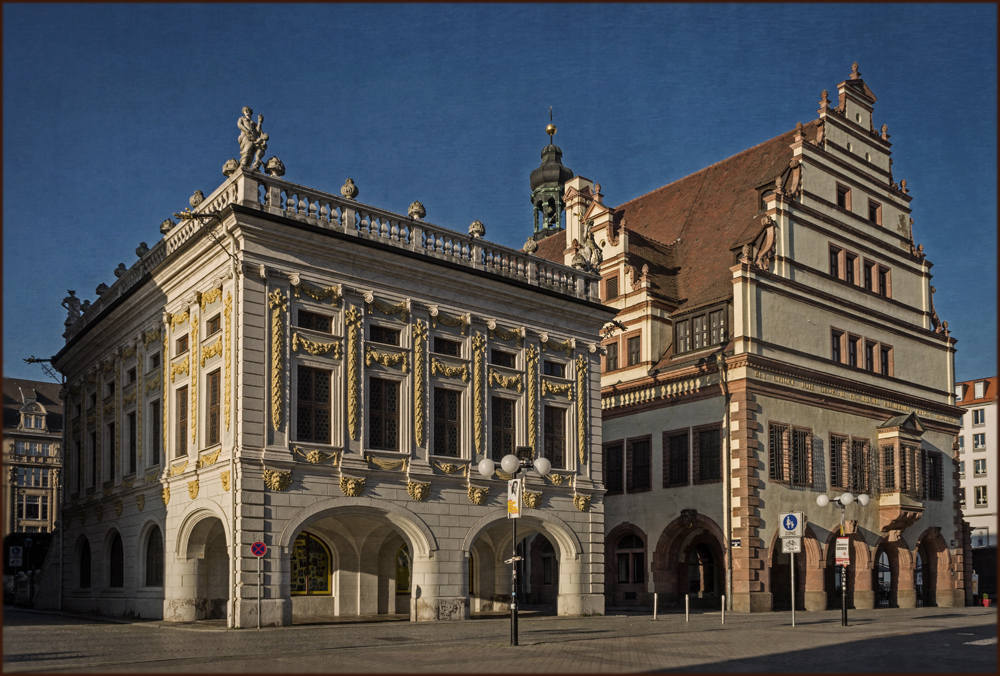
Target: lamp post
(31, 573)
(844, 500)
(513, 465)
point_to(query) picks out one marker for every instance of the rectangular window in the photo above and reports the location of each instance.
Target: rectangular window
(383, 414)
(154, 424)
(888, 468)
(130, 375)
(961, 443)
(700, 332)
(979, 416)
(979, 389)
(45, 508)
(555, 435)
(961, 498)
(852, 350)
(933, 475)
(836, 339)
(132, 441)
(981, 497)
(675, 459)
(850, 268)
(875, 212)
(614, 466)
(869, 276)
(78, 454)
(708, 454)
(633, 351)
(318, 322)
(961, 468)
(182, 344)
(182, 421)
(883, 281)
(93, 459)
(502, 422)
(843, 197)
(31, 507)
(382, 334)
(503, 358)
(611, 288)
(447, 428)
(838, 455)
(777, 449)
(554, 368)
(154, 361)
(111, 451)
(682, 331)
(213, 325)
(611, 358)
(638, 468)
(452, 348)
(858, 467)
(835, 261)
(978, 442)
(715, 320)
(885, 360)
(801, 460)
(312, 405)
(870, 356)
(980, 466)
(214, 389)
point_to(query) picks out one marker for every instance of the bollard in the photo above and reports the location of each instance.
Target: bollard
(723, 609)
(687, 607)
(656, 597)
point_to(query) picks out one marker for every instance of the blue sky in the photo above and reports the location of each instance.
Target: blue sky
(114, 114)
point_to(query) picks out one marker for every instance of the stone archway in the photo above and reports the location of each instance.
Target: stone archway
(489, 543)
(201, 561)
(626, 550)
(858, 575)
(892, 575)
(936, 575)
(690, 557)
(810, 589)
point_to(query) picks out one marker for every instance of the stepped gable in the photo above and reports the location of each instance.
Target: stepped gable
(712, 211)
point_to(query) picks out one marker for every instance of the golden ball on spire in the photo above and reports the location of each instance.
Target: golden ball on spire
(550, 130)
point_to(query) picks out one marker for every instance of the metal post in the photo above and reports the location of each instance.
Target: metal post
(258, 591)
(792, 554)
(513, 581)
(723, 609)
(687, 607)
(655, 600)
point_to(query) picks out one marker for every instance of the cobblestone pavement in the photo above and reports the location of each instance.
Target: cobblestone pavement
(888, 640)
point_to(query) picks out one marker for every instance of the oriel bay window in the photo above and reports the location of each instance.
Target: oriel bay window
(447, 428)
(383, 414)
(312, 405)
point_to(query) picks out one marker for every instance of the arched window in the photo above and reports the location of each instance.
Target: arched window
(403, 570)
(310, 565)
(117, 563)
(154, 558)
(85, 564)
(631, 560)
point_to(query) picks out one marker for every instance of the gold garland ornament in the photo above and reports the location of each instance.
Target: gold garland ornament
(388, 464)
(448, 468)
(513, 382)
(316, 292)
(439, 368)
(559, 479)
(209, 297)
(209, 459)
(212, 350)
(178, 469)
(384, 358)
(559, 389)
(504, 334)
(565, 346)
(165, 494)
(178, 368)
(399, 308)
(461, 321)
(300, 344)
(152, 475)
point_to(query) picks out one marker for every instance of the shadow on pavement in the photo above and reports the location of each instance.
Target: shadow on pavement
(921, 652)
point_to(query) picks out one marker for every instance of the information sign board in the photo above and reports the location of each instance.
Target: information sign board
(791, 525)
(15, 556)
(791, 545)
(843, 552)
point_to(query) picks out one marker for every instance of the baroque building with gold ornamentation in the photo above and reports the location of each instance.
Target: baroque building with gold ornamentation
(776, 340)
(298, 368)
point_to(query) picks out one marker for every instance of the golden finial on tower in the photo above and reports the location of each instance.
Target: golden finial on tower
(551, 129)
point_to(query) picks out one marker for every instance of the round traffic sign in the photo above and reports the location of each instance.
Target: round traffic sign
(258, 548)
(790, 522)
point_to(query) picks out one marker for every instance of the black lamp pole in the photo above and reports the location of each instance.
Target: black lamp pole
(31, 574)
(843, 575)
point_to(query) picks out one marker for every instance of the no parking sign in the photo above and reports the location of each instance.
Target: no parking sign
(258, 549)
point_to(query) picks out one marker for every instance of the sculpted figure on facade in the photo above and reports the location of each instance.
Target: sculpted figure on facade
(72, 305)
(253, 141)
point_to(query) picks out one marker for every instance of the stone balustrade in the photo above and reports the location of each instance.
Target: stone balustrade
(278, 197)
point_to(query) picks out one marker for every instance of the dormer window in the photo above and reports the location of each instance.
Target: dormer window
(979, 389)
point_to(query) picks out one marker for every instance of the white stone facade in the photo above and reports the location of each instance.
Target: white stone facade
(288, 357)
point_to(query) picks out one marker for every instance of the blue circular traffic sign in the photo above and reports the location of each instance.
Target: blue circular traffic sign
(790, 522)
(258, 549)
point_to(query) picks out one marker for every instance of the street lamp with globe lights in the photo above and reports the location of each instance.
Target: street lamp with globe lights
(844, 500)
(514, 465)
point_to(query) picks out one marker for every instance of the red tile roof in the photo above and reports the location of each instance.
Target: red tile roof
(713, 212)
(970, 391)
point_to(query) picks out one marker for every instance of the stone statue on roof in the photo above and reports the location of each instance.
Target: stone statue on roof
(253, 141)
(72, 305)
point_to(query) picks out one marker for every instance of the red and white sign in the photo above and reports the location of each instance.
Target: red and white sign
(258, 549)
(843, 552)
